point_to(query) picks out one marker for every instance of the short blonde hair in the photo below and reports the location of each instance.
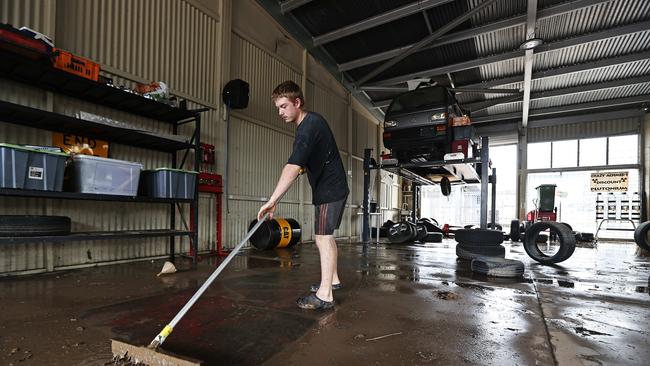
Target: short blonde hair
(290, 90)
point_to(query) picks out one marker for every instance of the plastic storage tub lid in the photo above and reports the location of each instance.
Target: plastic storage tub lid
(90, 157)
(23, 148)
(173, 170)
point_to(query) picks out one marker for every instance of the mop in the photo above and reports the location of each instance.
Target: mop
(151, 355)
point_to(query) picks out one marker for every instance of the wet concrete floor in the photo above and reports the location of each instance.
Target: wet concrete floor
(401, 305)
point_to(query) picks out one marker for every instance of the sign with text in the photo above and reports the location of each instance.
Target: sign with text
(609, 182)
(80, 144)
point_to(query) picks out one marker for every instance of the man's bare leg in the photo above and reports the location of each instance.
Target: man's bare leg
(329, 274)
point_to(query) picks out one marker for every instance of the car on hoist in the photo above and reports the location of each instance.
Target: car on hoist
(416, 126)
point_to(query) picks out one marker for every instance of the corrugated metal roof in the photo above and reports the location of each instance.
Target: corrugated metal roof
(610, 47)
(569, 99)
(614, 72)
(435, 57)
(557, 24)
(596, 128)
(497, 70)
(324, 16)
(500, 41)
(497, 11)
(591, 96)
(397, 34)
(598, 17)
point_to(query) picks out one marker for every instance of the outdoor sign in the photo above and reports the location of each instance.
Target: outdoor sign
(609, 182)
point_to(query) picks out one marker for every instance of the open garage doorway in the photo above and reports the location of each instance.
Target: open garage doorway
(462, 207)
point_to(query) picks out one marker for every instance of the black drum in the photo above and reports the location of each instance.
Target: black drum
(275, 233)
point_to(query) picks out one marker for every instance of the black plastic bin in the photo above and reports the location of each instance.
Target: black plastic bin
(169, 183)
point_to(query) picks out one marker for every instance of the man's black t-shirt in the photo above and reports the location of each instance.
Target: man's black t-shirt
(315, 149)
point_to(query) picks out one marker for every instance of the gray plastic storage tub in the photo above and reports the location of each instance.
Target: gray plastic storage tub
(13, 166)
(106, 176)
(169, 183)
(26, 168)
(45, 170)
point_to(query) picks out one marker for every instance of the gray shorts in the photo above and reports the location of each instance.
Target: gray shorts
(327, 217)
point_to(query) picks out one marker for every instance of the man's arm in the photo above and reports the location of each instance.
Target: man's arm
(289, 174)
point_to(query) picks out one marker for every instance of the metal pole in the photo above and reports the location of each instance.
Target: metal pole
(195, 204)
(493, 180)
(485, 158)
(365, 231)
(414, 188)
(172, 207)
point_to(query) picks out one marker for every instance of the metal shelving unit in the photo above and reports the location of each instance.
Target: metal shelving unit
(42, 75)
(420, 173)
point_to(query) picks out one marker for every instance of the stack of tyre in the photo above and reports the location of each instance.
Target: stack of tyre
(424, 231)
(473, 243)
(484, 249)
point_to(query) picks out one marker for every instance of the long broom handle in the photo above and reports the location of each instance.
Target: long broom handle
(160, 338)
(167, 330)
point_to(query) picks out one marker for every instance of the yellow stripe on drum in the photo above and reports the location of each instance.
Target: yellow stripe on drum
(285, 233)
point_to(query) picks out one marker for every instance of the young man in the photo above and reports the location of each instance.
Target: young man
(314, 150)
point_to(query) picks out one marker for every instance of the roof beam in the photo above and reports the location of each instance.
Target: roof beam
(485, 90)
(585, 38)
(567, 108)
(473, 32)
(377, 20)
(425, 41)
(528, 60)
(485, 104)
(386, 102)
(288, 5)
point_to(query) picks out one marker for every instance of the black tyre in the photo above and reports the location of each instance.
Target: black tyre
(479, 237)
(421, 232)
(431, 227)
(567, 242)
(542, 238)
(641, 235)
(515, 234)
(470, 252)
(586, 237)
(445, 186)
(388, 224)
(414, 231)
(433, 238)
(498, 267)
(27, 225)
(567, 225)
(399, 233)
(498, 226)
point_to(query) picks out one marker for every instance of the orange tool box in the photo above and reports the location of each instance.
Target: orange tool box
(73, 64)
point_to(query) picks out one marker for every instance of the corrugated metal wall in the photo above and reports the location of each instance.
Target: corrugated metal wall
(261, 142)
(134, 42)
(569, 131)
(177, 41)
